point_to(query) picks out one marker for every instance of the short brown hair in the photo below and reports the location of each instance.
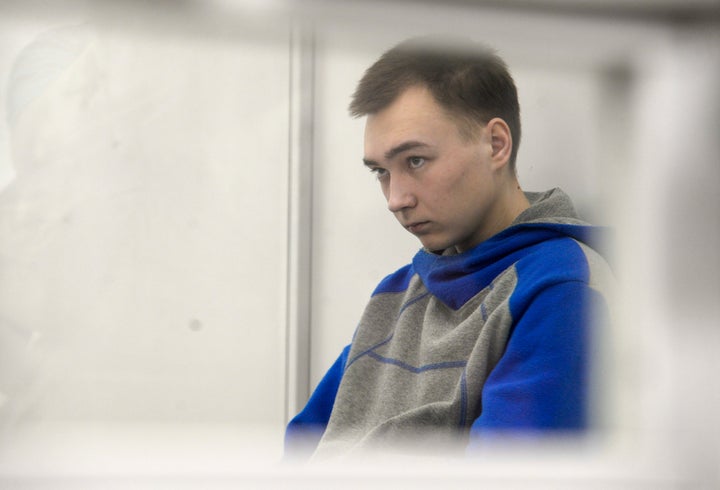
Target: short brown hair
(469, 81)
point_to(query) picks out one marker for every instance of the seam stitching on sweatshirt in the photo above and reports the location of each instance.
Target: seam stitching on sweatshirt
(414, 369)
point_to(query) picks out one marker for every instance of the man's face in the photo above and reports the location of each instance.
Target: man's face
(440, 186)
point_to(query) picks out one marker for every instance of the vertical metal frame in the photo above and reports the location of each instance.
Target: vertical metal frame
(299, 252)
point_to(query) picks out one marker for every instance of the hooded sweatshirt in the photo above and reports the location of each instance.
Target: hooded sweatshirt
(457, 345)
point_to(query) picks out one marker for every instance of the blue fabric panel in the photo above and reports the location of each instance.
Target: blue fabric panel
(396, 282)
(307, 427)
(455, 279)
(541, 382)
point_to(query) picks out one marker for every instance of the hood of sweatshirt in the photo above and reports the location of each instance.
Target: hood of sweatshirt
(550, 221)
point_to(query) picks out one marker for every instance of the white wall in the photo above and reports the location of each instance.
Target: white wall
(143, 235)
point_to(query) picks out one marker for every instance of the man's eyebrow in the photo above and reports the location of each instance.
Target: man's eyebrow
(393, 152)
(408, 145)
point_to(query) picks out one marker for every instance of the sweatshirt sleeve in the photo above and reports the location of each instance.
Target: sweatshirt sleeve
(305, 429)
(541, 381)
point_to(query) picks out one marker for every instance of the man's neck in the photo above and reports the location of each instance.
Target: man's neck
(511, 203)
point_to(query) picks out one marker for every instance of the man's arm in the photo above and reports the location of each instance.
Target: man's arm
(305, 430)
(541, 381)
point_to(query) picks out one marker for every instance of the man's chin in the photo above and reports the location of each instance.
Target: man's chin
(435, 246)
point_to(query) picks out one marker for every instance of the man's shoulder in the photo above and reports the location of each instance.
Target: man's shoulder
(396, 282)
(560, 259)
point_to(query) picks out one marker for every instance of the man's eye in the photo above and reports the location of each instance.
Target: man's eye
(379, 172)
(416, 162)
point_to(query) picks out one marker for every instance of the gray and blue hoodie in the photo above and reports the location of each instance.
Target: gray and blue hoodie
(453, 346)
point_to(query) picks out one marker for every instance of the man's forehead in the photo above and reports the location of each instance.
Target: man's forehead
(387, 146)
(412, 116)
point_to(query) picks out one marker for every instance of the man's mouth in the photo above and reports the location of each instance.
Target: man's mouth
(417, 226)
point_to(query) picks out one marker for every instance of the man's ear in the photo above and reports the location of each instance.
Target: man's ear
(501, 141)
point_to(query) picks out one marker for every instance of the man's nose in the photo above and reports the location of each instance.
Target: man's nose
(400, 194)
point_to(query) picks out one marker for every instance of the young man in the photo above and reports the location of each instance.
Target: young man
(487, 329)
